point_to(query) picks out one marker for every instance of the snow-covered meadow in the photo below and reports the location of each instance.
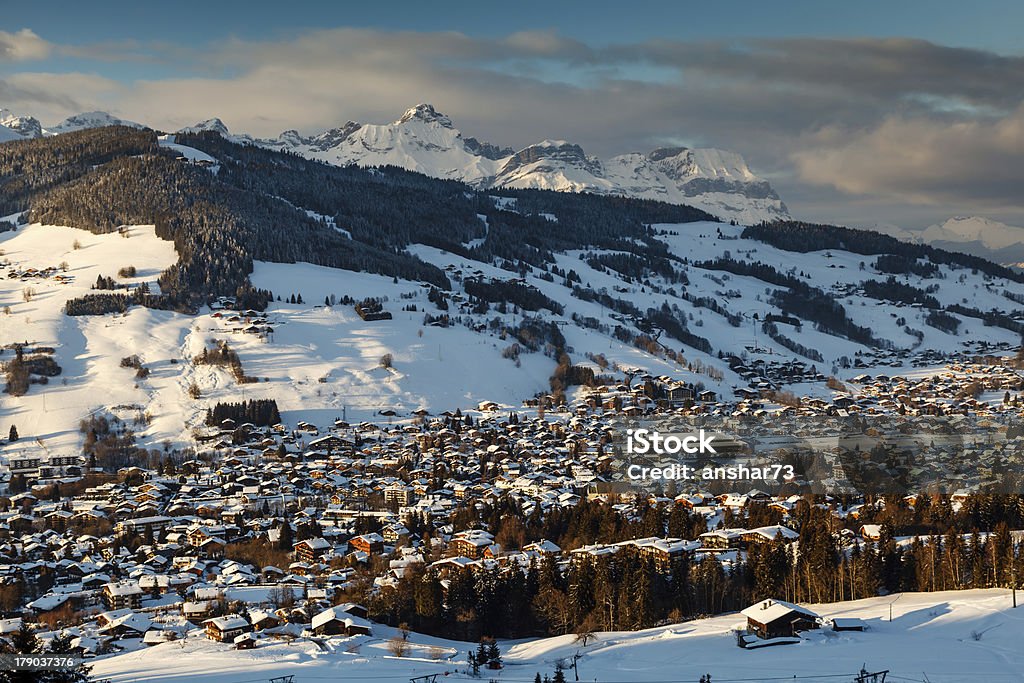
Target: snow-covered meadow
(949, 637)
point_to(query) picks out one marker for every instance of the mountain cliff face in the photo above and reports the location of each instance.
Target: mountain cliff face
(426, 141)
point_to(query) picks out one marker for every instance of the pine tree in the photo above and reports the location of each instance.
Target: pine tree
(13, 434)
(284, 540)
(24, 640)
(493, 655)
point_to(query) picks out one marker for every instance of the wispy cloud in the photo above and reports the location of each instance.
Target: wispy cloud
(22, 46)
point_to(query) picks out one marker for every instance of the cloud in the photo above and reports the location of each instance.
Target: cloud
(22, 46)
(890, 70)
(923, 161)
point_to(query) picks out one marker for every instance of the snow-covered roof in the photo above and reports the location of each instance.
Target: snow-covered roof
(339, 613)
(770, 609)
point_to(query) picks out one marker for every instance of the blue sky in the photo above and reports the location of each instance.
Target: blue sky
(867, 112)
(990, 25)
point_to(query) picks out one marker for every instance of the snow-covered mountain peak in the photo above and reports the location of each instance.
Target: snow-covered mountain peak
(665, 153)
(335, 136)
(214, 124)
(90, 119)
(426, 141)
(563, 165)
(992, 234)
(425, 113)
(25, 126)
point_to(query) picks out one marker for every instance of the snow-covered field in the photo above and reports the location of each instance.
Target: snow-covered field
(88, 348)
(950, 637)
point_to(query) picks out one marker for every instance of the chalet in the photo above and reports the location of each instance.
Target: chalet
(226, 629)
(261, 620)
(544, 547)
(472, 543)
(213, 547)
(130, 625)
(157, 636)
(871, 532)
(198, 610)
(721, 539)
(338, 620)
(777, 619)
(678, 395)
(767, 534)
(312, 549)
(245, 641)
(372, 544)
(332, 444)
(122, 595)
(666, 553)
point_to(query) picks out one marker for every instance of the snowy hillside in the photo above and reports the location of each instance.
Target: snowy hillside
(323, 360)
(8, 134)
(88, 349)
(949, 637)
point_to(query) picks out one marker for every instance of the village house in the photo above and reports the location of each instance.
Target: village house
(772, 618)
(371, 544)
(312, 549)
(226, 629)
(122, 595)
(340, 620)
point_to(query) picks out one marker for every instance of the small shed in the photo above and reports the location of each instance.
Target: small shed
(848, 624)
(245, 641)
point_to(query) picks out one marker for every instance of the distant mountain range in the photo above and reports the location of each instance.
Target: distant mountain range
(30, 127)
(974, 235)
(426, 141)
